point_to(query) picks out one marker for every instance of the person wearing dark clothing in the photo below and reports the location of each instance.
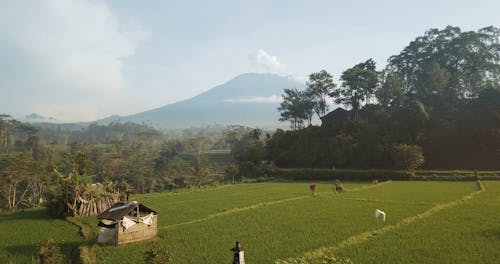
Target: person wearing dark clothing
(237, 250)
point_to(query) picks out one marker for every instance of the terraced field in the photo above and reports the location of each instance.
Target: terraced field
(427, 222)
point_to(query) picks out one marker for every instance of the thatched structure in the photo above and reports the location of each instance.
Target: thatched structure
(127, 222)
(94, 206)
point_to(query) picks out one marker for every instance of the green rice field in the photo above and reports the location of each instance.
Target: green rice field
(427, 222)
(21, 232)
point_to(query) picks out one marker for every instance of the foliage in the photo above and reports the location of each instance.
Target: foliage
(358, 85)
(49, 253)
(296, 107)
(65, 192)
(469, 61)
(315, 174)
(21, 181)
(312, 174)
(440, 93)
(319, 86)
(408, 157)
(249, 148)
(390, 94)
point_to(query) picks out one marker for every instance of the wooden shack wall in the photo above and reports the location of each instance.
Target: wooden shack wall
(137, 232)
(107, 236)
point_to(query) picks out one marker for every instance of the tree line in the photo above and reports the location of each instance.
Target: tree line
(436, 104)
(48, 165)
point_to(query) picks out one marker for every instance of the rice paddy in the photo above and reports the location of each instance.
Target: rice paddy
(427, 222)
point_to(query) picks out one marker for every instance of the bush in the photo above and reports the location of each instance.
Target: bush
(252, 170)
(307, 174)
(158, 255)
(48, 253)
(408, 157)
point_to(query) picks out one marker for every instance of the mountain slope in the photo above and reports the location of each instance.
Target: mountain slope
(249, 99)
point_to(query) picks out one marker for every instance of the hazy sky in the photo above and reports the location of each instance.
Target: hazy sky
(82, 60)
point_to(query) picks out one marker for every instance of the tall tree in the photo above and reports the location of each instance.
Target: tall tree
(432, 80)
(471, 58)
(6, 126)
(358, 85)
(319, 86)
(390, 94)
(296, 108)
(15, 177)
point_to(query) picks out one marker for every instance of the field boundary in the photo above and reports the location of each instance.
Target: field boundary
(235, 210)
(369, 186)
(189, 190)
(362, 237)
(316, 174)
(259, 205)
(388, 201)
(86, 253)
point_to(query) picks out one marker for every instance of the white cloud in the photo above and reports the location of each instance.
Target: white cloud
(257, 99)
(264, 62)
(65, 51)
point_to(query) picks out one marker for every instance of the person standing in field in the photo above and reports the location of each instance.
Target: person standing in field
(313, 188)
(238, 254)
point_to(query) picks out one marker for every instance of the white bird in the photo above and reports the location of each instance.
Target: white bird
(379, 213)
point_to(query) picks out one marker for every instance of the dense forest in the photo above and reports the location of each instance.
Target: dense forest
(435, 105)
(38, 163)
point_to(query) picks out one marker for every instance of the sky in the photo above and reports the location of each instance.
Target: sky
(82, 60)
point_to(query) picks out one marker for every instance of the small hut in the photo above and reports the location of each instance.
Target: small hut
(126, 222)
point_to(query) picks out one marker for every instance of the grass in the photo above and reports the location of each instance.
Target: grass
(416, 192)
(187, 206)
(272, 230)
(425, 223)
(21, 232)
(468, 233)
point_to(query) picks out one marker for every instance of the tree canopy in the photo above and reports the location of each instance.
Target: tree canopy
(438, 97)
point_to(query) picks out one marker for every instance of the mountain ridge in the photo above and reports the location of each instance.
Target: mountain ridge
(249, 99)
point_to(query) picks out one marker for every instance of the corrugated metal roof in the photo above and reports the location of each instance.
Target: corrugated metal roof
(120, 209)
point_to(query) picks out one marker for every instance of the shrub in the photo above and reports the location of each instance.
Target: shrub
(158, 255)
(408, 157)
(307, 174)
(48, 253)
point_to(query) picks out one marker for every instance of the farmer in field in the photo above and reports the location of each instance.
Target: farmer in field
(313, 187)
(238, 254)
(338, 187)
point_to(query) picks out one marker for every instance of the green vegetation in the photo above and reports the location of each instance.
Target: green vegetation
(158, 255)
(283, 223)
(312, 174)
(435, 105)
(287, 223)
(49, 253)
(463, 234)
(23, 231)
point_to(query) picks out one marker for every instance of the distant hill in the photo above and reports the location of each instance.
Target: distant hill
(249, 99)
(36, 118)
